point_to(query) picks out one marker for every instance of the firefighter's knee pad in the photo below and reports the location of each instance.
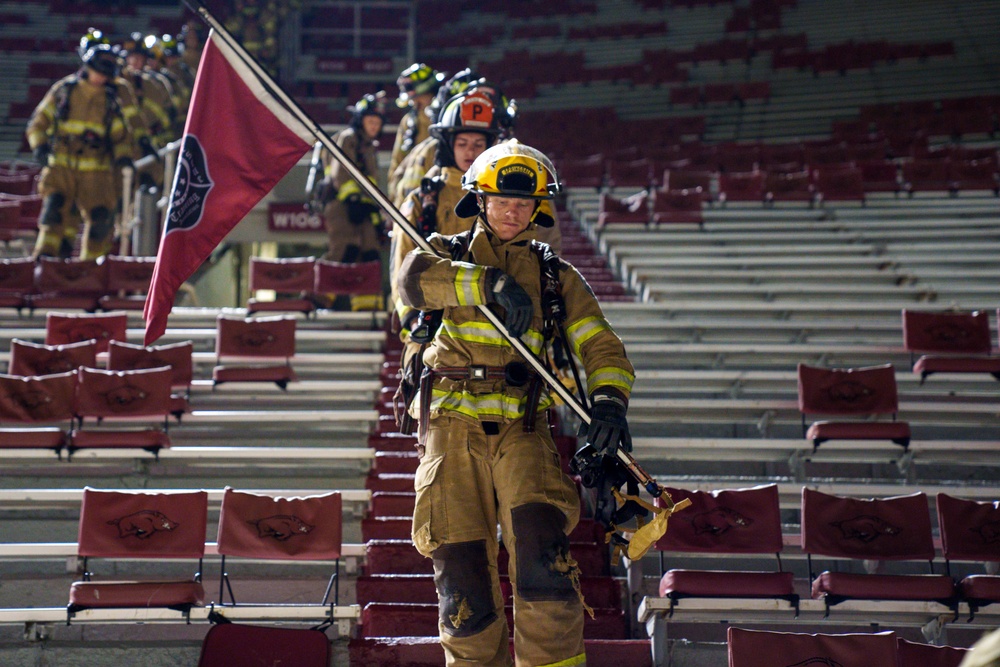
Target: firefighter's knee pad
(351, 253)
(465, 595)
(369, 255)
(544, 571)
(51, 214)
(101, 223)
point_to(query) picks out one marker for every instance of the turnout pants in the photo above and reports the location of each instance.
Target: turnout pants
(471, 477)
(94, 195)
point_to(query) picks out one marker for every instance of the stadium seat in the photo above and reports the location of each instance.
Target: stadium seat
(873, 530)
(178, 356)
(949, 342)
(764, 648)
(39, 403)
(135, 525)
(861, 393)
(69, 283)
(290, 278)
(17, 281)
(913, 654)
(969, 532)
(250, 346)
(63, 328)
(634, 209)
(271, 527)
(741, 186)
(337, 278)
(27, 358)
(118, 398)
(128, 281)
(726, 522)
(678, 206)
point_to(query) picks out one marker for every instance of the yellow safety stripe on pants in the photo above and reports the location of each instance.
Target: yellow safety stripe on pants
(610, 376)
(478, 406)
(583, 330)
(568, 662)
(468, 284)
(80, 163)
(37, 138)
(484, 333)
(347, 189)
(78, 127)
(157, 110)
(367, 302)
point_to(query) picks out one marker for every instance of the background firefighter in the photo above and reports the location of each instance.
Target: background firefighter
(353, 221)
(78, 133)
(485, 460)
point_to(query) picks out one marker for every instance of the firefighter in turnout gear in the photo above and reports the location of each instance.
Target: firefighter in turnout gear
(417, 86)
(167, 52)
(79, 134)
(155, 97)
(487, 455)
(353, 221)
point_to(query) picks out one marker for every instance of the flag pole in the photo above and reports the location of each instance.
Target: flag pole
(400, 222)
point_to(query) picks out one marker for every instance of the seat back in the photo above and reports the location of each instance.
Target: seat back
(138, 393)
(31, 399)
(912, 654)
(28, 358)
(896, 528)
(970, 530)
(71, 276)
(847, 391)
(726, 521)
(132, 274)
(178, 356)
(759, 648)
(17, 275)
(963, 333)
(119, 524)
(337, 278)
(273, 527)
(291, 274)
(262, 337)
(62, 328)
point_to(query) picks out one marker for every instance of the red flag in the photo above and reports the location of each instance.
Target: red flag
(239, 141)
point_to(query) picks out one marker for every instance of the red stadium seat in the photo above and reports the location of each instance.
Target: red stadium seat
(17, 281)
(912, 654)
(69, 283)
(851, 392)
(63, 328)
(969, 532)
(130, 525)
(726, 522)
(27, 358)
(762, 648)
(949, 343)
(251, 345)
(128, 279)
(45, 405)
(280, 528)
(741, 186)
(634, 209)
(177, 356)
(290, 278)
(873, 530)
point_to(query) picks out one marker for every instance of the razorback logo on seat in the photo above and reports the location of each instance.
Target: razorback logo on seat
(948, 333)
(283, 272)
(86, 331)
(72, 272)
(849, 392)
(989, 531)
(124, 397)
(31, 401)
(55, 364)
(718, 521)
(816, 662)
(150, 362)
(143, 524)
(865, 528)
(256, 338)
(280, 526)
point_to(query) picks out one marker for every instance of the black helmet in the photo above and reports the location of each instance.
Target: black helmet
(135, 44)
(368, 105)
(170, 45)
(418, 79)
(453, 86)
(93, 37)
(471, 111)
(103, 59)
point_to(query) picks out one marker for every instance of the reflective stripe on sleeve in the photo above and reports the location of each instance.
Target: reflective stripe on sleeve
(583, 330)
(610, 376)
(467, 284)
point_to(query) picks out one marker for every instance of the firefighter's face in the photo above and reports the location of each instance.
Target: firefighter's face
(372, 125)
(467, 146)
(509, 216)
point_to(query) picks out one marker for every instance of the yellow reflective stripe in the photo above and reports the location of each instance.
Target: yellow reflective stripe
(467, 284)
(568, 662)
(37, 138)
(347, 189)
(484, 333)
(81, 126)
(583, 330)
(157, 110)
(477, 406)
(610, 375)
(81, 164)
(49, 111)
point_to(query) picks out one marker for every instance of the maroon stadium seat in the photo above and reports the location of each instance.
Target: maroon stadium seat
(969, 532)
(291, 278)
(949, 342)
(250, 346)
(764, 648)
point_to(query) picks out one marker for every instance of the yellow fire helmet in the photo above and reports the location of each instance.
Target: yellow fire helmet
(510, 169)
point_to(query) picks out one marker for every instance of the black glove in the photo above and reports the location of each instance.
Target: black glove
(358, 211)
(147, 147)
(41, 154)
(504, 291)
(608, 425)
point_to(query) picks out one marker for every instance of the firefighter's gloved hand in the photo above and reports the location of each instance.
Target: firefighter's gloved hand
(147, 147)
(41, 154)
(504, 291)
(358, 211)
(608, 425)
